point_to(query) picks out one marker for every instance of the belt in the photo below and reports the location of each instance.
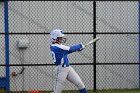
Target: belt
(65, 65)
(62, 65)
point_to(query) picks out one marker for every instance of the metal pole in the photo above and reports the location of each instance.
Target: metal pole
(94, 47)
(7, 45)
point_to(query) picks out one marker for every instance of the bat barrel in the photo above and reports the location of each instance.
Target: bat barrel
(92, 41)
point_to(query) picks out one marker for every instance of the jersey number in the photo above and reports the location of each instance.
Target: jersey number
(53, 56)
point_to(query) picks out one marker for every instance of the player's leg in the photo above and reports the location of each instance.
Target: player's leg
(76, 80)
(60, 77)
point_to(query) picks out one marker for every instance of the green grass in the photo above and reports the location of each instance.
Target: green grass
(117, 91)
(98, 91)
(106, 91)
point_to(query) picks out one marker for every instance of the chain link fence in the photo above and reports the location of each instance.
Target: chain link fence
(119, 17)
(117, 52)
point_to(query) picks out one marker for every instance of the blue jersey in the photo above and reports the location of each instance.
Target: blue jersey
(60, 53)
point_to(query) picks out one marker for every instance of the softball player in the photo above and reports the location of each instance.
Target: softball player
(63, 70)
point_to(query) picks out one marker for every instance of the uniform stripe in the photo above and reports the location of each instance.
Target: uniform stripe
(62, 46)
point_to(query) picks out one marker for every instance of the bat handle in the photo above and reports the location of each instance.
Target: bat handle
(86, 45)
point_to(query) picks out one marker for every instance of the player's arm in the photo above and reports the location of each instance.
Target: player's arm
(70, 49)
(75, 48)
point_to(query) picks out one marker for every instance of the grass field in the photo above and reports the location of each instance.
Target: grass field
(106, 91)
(89, 91)
(118, 91)
(102, 91)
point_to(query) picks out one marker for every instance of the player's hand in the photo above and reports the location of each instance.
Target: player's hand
(83, 47)
(80, 49)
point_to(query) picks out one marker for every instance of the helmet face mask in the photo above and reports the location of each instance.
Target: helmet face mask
(57, 36)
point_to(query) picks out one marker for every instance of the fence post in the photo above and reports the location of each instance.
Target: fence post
(7, 85)
(139, 39)
(94, 47)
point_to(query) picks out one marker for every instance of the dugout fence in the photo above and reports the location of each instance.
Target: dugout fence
(111, 63)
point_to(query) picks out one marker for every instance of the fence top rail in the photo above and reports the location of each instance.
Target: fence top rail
(71, 0)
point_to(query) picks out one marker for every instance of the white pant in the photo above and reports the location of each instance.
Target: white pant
(63, 73)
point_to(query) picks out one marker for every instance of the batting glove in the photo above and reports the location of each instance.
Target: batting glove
(83, 47)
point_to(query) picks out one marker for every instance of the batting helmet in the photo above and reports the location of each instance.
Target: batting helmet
(55, 34)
